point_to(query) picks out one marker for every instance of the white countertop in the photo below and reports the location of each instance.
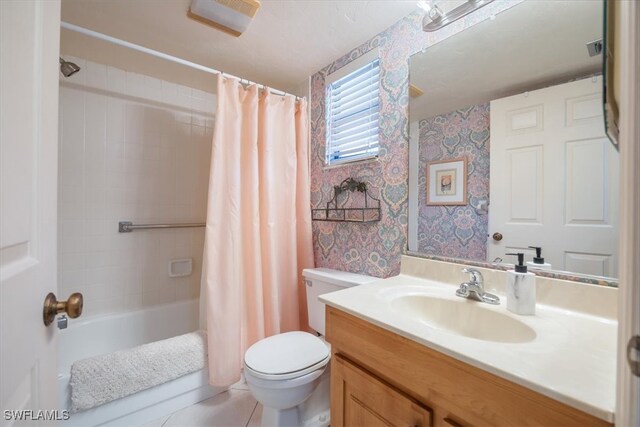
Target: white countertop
(572, 358)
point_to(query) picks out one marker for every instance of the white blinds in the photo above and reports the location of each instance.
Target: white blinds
(352, 115)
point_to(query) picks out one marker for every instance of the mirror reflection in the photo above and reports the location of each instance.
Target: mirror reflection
(508, 151)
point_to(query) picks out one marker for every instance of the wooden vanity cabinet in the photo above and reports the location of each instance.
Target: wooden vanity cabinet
(361, 399)
(379, 378)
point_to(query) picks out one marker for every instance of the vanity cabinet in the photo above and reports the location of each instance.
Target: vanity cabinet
(361, 399)
(379, 378)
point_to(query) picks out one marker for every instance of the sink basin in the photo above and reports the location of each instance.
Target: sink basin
(463, 317)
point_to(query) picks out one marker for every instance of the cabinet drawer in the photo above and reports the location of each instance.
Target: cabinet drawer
(360, 399)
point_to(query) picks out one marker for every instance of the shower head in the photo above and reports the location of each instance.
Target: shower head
(68, 68)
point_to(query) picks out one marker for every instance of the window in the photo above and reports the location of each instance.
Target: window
(352, 115)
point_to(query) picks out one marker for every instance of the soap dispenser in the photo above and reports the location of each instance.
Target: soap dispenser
(538, 261)
(521, 289)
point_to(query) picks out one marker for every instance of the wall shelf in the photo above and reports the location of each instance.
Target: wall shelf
(370, 212)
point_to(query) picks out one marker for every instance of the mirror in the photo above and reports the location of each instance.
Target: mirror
(508, 149)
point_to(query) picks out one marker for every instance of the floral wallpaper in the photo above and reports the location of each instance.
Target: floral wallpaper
(455, 231)
(375, 248)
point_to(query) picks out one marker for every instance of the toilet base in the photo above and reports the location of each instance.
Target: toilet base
(292, 418)
(280, 417)
(313, 412)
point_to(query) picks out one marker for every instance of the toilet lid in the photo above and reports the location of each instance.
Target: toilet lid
(285, 353)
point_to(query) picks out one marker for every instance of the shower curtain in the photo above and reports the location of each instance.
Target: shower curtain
(258, 235)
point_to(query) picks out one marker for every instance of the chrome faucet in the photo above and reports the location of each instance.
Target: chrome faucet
(474, 288)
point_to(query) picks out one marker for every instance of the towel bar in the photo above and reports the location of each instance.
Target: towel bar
(128, 226)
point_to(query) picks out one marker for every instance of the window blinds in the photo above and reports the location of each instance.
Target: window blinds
(352, 115)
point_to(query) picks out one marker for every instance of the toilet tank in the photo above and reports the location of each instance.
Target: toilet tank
(319, 281)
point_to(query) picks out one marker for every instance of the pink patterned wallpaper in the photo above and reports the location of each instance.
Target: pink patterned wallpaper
(375, 249)
(455, 231)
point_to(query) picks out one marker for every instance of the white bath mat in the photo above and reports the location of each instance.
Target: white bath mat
(101, 379)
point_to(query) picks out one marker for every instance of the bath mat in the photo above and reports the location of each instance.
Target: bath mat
(98, 380)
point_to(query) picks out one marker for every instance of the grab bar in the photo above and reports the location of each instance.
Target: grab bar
(128, 226)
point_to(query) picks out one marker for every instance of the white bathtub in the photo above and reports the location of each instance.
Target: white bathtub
(106, 334)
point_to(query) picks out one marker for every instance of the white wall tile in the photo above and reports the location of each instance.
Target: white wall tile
(116, 80)
(71, 169)
(69, 245)
(152, 89)
(95, 134)
(187, 289)
(72, 106)
(95, 260)
(96, 227)
(95, 75)
(212, 103)
(134, 123)
(74, 278)
(70, 193)
(73, 261)
(96, 243)
(184, 97)
(72, 228)
(134, 152)
(132, 302)
(95, 187)
(115, 120)
(135, 84)
(95, 210)
(169, 93)
(71, 211)
(197, 120)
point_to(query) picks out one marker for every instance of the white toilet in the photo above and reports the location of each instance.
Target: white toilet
(288, 373)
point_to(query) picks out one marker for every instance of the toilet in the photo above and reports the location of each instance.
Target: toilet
(289, 373)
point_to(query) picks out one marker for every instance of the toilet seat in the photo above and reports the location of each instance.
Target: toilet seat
(287, 376)
(286, 356)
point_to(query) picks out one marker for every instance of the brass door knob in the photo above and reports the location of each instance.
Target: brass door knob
(72, 306)
(497, 236)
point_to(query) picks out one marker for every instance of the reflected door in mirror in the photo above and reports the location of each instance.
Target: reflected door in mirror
(554, 178)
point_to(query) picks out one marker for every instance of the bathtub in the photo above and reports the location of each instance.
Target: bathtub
(106, 334)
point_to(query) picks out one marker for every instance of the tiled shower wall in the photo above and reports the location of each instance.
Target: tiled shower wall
(134, 148)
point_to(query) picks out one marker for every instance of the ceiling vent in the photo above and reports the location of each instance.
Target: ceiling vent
(231, 16)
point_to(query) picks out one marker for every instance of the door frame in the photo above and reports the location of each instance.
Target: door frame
(628, 64)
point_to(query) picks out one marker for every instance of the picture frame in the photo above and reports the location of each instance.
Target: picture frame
(447, 182)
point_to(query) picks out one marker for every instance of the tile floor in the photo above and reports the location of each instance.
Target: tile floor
(233, 408)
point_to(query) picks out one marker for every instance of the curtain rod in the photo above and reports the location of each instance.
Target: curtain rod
(124, 43)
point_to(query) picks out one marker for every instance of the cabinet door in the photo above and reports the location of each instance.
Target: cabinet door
(358, 399)
(448, 422)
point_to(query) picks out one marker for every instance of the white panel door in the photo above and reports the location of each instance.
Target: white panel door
(554, 178)
(29, 46)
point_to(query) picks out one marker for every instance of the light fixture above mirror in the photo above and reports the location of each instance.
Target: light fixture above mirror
(435, 19)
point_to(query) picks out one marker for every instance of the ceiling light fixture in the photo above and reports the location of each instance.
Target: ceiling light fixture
(231, 16)
(435, 19)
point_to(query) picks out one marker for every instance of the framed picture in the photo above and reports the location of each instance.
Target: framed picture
(447, 182)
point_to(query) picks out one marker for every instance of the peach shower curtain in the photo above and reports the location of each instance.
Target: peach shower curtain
(258, 235)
